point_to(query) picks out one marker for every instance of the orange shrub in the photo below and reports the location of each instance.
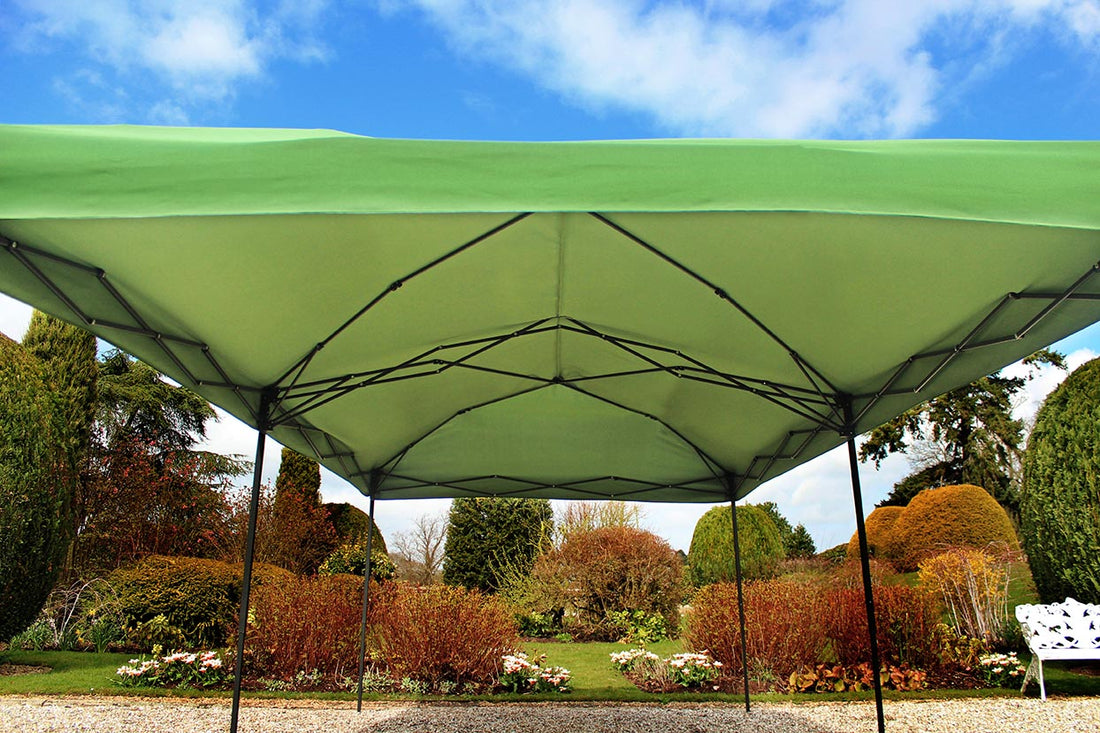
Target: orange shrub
(302, 624)
(906, 620)
(599, 573)
(880, 536)
(785, 624)
(441, 633)
(952, 516)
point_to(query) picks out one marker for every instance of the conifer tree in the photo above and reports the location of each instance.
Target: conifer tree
(489, 537)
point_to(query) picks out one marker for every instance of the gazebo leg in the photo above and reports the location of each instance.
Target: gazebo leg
(740, 601)
(250, 546)
(865, 564)
(366, 605)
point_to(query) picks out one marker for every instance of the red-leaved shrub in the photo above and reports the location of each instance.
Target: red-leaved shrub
(439, 632)
(905, 619)
(302, 624)
(785, 623)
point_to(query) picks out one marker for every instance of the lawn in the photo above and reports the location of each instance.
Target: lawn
(594, 679)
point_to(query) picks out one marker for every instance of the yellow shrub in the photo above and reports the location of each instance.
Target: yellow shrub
(880, 525)
(974, 587)
(937, 520)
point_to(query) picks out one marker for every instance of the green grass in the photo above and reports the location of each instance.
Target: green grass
(72, 673)
(594, 679)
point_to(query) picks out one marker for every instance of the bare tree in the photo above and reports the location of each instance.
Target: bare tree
(419, 551)
(584, 516)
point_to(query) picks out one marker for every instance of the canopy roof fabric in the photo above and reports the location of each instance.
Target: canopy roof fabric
(673, 320)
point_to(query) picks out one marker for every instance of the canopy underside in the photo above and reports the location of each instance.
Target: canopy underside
(444, 347)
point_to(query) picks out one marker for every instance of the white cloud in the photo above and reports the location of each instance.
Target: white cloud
(767, 68)
(202, 50)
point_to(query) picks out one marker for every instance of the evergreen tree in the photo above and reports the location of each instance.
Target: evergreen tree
(801, 543)
(966, 436)
(1060, 504)
(67, 357)
(490, 537)
(796, 540)
(302, 535)
(146, 489)
(351, 524)
(36, 486)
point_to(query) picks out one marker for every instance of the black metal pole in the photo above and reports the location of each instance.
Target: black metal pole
(865, 563)
(366, 603)
(740, 601)
(249, 548)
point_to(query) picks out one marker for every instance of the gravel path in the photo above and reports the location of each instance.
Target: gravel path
(38, 715)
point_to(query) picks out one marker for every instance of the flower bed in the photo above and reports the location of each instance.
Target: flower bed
(521, 674)
(684, 671)
(179, 669)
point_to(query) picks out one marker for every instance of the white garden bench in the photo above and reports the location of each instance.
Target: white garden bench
(1067, 630)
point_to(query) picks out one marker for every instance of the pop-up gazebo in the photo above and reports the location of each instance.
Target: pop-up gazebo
(674, 320)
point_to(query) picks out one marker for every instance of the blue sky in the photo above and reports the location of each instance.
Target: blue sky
(572, 69)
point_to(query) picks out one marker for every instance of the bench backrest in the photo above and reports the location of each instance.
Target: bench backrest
(1067, 625)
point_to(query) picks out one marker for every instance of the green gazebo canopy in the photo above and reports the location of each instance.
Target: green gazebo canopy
(673, 320)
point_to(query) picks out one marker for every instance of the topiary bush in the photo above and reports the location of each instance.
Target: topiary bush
(948, 517)
(1060, 501)
(198, 599)
(36, 489)
(711, 556)
(880, 534)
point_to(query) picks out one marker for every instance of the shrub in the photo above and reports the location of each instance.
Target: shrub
(537, 625)
(36, 489)
(711, 555)
(306, 624)
(639, 627)
(602, 574)
(973, 586)
(834, 555)
(351, 525)
(1060, 501)
(879, 525)
(838, 678)
(199, 599)
(786, 625)
(906, 620)
(440, 633)
(951, 516)
(351, 560)
(82, 615)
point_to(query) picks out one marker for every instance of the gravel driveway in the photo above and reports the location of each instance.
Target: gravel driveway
(38, 714)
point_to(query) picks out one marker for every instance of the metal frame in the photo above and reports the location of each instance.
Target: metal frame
(740, 601)
(819, 401)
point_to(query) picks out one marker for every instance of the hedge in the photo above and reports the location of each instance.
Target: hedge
(1060, 501)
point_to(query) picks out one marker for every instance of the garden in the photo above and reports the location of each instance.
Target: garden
(505, 599)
